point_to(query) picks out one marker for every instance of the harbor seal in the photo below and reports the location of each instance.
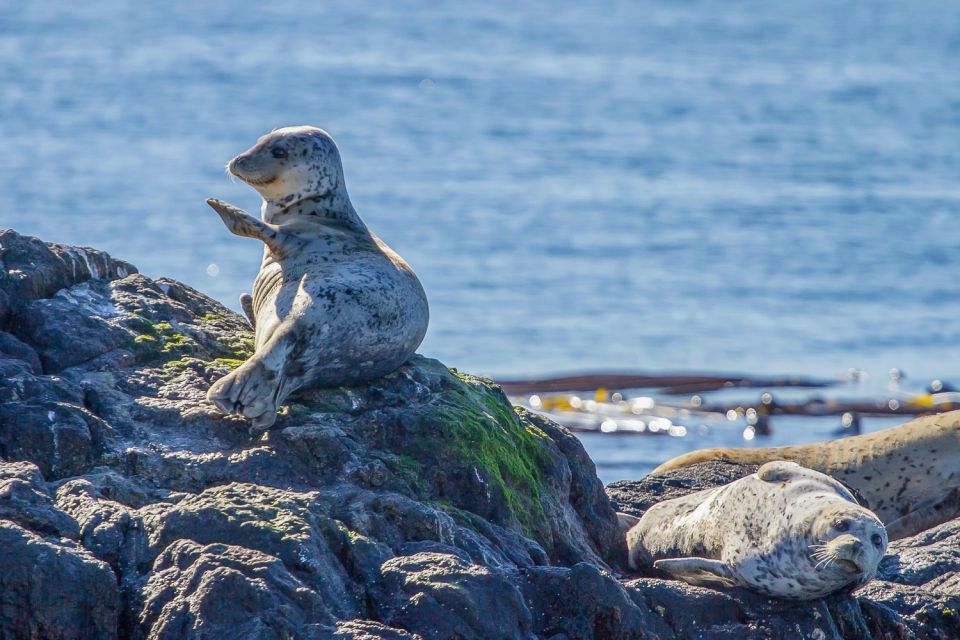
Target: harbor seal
(332, 304)
(784, 531)
(908, 475)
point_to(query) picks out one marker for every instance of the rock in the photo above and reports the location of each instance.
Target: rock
(583, 602)
(24, 499)
(920, 579)
(33, 269)
(275, 522)
(419, 506)
(54, 590)
(110, 530)
(636, 496)
(13, 348)
(369, 630)
(61, 438)
(443, 596)
(223, 591)
(64, 333)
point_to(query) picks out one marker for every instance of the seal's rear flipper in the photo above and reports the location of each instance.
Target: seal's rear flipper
(701, 571)
(250, 390)
(625, 521)
(246, 304)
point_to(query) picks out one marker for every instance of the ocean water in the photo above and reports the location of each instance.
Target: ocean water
(735, 186)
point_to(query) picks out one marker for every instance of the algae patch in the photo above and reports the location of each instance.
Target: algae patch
(159, 341)
(487, 433)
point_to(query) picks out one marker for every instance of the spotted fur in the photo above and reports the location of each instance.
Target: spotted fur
(785, 531)
(332, 304)
(909, 475)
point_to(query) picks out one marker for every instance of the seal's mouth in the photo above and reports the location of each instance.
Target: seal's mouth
(255, 182)
(239, 167)
(849, 565)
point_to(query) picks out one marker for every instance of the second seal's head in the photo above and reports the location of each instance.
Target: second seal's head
(290, 164)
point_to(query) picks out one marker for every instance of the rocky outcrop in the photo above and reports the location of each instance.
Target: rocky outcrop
(420, 506)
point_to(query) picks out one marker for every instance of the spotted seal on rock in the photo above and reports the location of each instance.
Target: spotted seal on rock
(784, 531)
(332, 304)
(909, 475)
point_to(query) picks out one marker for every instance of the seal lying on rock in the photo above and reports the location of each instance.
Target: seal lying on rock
(332, 304)
(785, 531)
(909, 475)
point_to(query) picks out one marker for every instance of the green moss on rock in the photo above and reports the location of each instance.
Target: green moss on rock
(228, 363)
(159, 341)
(485, 431)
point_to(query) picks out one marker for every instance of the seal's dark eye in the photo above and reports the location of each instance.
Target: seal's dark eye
(877, 540)
(279, 153)
(842, 525)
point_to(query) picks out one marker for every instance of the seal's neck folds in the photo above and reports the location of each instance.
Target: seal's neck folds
(333, 208)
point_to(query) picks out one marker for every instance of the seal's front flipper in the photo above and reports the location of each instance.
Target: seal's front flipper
(246, 304)
(241, 223)
(701, 571)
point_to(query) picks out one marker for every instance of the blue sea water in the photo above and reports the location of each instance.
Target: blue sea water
(665, 185)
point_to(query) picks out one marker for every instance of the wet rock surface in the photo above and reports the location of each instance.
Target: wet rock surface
(420, 506)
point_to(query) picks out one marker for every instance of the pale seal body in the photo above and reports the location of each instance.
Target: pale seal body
(332, 304)
(785, 531)
(909, 475)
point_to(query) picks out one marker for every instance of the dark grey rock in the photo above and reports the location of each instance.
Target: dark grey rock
(273, 521)
(33, 269)
(53, 589)
(24, 499)
(4, 308)
(440, 596)
(636, 496)
(920, 579)
(369, 630)
(110, 530)
(66, 334)
(62, 439)
(13, 348)
(221, 591)
(582, 603)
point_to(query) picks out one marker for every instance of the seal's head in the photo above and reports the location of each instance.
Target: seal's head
(849, 541)
(290, 164)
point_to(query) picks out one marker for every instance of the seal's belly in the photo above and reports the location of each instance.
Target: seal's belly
(343, 320)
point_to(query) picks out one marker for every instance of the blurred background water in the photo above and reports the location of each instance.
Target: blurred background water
(729, 186)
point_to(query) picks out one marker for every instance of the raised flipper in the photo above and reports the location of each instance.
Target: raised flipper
(241, 223)
(700, 571)
(246, 304)
(926, 516)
